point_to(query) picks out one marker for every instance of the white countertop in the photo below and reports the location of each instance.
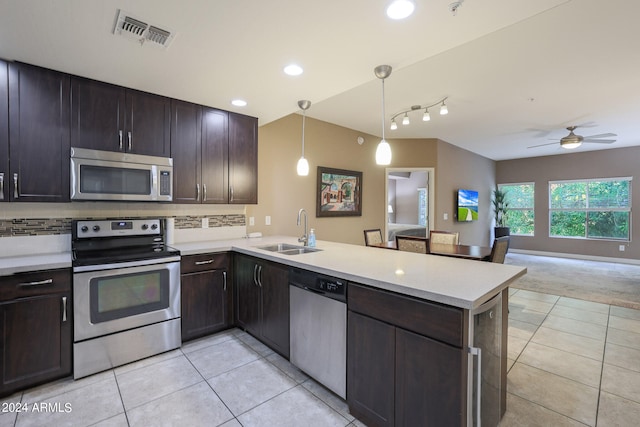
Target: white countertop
(24, 263)
(457, 282)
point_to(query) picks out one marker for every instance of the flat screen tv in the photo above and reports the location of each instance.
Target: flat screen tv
(467, 205)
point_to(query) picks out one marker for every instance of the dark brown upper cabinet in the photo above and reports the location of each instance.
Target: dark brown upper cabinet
(38, 135)
(243, 159)
(4, 132)
(215, 155)
(113, 118)
(199, 147)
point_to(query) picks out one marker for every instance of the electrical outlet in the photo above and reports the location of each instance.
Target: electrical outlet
(205, 222)
(252, 221)
(445, 216)
(621, 248)
(267, 220)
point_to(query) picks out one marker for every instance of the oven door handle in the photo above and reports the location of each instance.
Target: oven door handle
(139, 263)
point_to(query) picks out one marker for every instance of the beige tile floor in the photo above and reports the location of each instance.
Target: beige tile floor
(571, 363)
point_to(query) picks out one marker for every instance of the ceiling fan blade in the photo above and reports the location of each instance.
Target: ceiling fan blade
(542, 145)
(599, 141)
(601, 135)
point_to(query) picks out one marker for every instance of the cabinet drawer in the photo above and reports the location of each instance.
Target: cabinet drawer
(35, 283)
(203, 262)
(438, 321)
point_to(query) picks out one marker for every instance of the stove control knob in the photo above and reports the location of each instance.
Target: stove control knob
(145, 226)
(96, 228)
(84, 228)
(154, 226)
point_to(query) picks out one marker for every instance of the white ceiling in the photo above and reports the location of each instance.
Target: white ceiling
(516, 71)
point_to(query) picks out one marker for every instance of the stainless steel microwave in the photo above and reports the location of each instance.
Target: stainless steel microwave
(108, 175)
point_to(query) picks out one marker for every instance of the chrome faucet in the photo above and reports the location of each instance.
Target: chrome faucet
(305, 237)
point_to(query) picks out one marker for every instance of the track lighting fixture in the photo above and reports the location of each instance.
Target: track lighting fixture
(425, 116)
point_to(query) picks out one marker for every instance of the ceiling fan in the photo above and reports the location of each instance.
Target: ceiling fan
(574, 141)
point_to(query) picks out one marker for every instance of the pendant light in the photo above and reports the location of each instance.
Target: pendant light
(303, 164)
(383, 152)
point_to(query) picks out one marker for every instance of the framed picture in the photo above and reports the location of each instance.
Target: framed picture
(339, 192)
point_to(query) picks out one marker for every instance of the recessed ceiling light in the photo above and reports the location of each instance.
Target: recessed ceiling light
(239, 102)
(293, 70)
(400, 9)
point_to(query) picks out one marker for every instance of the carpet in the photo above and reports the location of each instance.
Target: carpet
(604, 282)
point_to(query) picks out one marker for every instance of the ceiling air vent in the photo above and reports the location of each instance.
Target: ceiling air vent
(136, 29)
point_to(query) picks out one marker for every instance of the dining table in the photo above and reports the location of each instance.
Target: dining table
(480, 253)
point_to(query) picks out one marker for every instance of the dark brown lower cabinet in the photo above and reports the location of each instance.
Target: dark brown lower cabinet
(262, 301)
(205, 291)
(370, 370)
(36, 328)
(398, 377)
(430, 389)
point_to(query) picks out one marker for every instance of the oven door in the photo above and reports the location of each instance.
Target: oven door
(118, 297)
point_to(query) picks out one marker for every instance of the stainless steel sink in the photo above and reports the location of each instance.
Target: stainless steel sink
(288, 249)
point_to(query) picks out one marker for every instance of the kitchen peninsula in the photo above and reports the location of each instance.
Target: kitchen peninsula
(415, 323)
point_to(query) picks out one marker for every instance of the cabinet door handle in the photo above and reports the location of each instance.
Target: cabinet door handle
(198, 192)
(209, 261)
(231, 190)
(120, 140)
(38, 283)
(1, 185)
(204, 192)
(64, 309)
(260, 276)
(255, 274)
(224, 280)
(129, 140)
(15, 186)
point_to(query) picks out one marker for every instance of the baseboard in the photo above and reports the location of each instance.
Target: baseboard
(577, 256)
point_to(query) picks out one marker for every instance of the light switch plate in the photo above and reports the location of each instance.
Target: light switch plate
(267, 220)
(252, 221)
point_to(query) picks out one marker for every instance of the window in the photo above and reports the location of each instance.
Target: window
(591, 209)
(520, 218)
(422, 206)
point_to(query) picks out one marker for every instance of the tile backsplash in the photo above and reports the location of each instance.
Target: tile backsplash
(54, 226)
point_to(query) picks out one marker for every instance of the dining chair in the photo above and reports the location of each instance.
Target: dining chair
(499, 249)
(446, 237)
(372, 236)
(412, 244)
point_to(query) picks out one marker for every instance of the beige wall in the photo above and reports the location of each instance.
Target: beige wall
(459, 168)
(619, 162)
(282, 192)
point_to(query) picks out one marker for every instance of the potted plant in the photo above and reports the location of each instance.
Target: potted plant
(501, 211)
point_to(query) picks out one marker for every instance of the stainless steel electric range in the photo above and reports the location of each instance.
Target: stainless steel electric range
(126, 293)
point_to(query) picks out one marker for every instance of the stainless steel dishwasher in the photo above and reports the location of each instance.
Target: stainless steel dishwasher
(318, 339)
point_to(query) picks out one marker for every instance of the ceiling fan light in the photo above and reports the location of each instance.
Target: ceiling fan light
(302, 167)
(443, 109)
(426, 116)
(383, 153)
(570, 145)
(405, 119)
(394, 125)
